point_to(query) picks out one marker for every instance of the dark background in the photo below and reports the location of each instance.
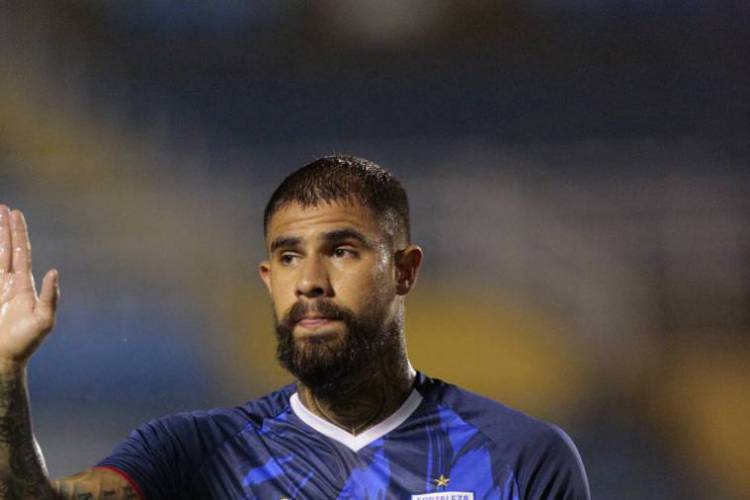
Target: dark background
(578, 174)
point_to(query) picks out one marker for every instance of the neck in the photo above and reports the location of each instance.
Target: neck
(363, 399)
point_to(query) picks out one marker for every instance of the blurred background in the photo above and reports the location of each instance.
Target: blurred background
(578, 173)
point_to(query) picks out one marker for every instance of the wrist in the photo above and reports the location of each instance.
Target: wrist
(12, 368)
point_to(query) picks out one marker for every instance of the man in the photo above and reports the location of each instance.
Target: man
(360, 421)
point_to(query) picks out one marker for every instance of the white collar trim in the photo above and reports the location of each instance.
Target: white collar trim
(358, 441)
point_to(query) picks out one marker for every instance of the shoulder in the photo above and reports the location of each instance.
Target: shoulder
(217, 424)
(498, 422)
(542, 456)
(191, 436)
(162, 456)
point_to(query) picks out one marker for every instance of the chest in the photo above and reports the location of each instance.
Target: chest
(293, 462)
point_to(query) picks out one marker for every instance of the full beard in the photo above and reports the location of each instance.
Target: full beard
(328, 364)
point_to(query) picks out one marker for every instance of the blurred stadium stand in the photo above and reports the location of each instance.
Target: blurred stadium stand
(579, 179)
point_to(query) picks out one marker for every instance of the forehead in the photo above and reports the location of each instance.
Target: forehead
(294, 219)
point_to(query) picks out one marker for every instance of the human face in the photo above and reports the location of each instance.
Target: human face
(333, 281)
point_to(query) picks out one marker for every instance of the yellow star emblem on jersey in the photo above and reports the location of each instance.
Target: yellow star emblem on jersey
(441, 481)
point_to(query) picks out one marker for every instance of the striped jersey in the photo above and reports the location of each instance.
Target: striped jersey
(443, 443)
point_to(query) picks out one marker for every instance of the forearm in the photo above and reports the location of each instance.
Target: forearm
(22, 471)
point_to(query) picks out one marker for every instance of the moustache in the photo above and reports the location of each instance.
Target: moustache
(322, 307)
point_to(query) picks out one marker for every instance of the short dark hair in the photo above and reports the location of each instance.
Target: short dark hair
(345, 178)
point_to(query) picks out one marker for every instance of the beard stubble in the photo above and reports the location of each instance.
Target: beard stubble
(325, 363)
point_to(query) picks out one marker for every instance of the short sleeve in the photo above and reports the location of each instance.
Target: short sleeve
(154, 457)
(552, 468)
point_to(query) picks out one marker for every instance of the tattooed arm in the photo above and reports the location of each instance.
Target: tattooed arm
(22, 471)
(94, 484)
(25, 319)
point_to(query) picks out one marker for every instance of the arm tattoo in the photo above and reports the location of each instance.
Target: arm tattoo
(22, 474)
(91, 485)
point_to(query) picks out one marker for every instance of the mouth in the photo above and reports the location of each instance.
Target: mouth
(313, 323)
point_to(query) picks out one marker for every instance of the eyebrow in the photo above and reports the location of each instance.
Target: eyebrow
(285, 241)
(346, 234)
(329, 237)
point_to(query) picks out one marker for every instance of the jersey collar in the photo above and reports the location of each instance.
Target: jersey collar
(358, 441)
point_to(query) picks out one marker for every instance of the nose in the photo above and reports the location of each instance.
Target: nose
(313, 280)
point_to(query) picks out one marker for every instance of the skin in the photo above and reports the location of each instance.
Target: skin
(352, 272)
(25, 320)
(305, 263)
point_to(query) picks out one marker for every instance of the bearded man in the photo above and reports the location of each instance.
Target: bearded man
(360, 421)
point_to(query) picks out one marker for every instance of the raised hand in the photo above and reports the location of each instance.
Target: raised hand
(25, 318)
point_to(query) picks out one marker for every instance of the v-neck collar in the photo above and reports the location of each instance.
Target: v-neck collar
(356, 442)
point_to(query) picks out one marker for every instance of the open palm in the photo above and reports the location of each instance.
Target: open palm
(25, 319)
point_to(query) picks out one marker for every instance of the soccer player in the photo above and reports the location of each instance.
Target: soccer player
(360, 422)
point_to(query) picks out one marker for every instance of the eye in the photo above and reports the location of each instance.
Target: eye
(344, 252)
(287, 259)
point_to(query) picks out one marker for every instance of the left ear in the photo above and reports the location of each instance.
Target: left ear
(264, 269)
(408, 261)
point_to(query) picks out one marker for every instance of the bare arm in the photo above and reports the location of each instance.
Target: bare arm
(94, 484)
(25, 319)
(22, 471)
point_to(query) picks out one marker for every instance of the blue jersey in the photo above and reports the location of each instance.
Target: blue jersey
(443, 443)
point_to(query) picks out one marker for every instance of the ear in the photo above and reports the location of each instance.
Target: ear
(408, 261)
(264, 269)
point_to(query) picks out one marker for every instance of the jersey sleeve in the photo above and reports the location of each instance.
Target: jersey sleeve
(156, 457)
(553, 469)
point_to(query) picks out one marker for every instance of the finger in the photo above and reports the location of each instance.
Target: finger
(48, 297)
(21, 255)
(5, 242)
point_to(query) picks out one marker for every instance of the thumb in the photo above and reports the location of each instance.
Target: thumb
(47, 305)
